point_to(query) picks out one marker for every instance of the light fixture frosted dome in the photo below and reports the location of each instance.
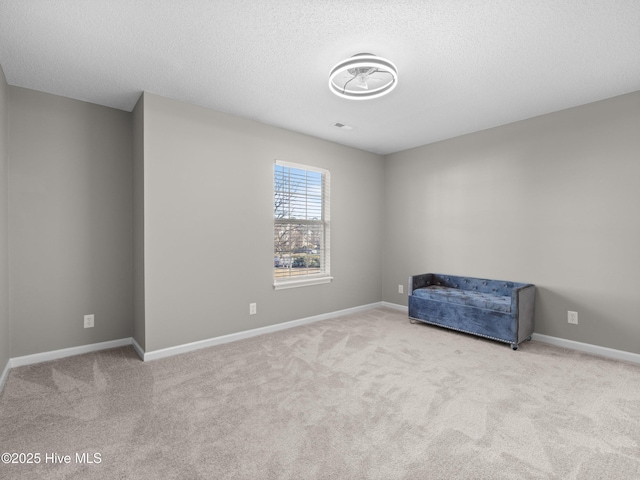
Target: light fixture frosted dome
(362, 77)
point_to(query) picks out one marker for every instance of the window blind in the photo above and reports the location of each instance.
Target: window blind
(301, 222)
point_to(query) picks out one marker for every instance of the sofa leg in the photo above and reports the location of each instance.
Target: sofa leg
(514, 346)
(528, 339)
(412, 321)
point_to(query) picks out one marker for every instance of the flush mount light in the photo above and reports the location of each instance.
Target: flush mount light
(363, 76)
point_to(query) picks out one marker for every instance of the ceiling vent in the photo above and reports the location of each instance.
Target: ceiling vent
(342, 126)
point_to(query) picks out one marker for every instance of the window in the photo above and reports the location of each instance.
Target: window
(301, 225)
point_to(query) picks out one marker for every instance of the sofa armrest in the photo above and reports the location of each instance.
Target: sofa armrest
(523, 300)
(419, 281)
(517, 293)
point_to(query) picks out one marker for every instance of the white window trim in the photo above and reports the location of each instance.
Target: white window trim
(320, 279)
(302, 282)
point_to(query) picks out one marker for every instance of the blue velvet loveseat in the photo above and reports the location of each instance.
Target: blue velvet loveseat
(495, 309)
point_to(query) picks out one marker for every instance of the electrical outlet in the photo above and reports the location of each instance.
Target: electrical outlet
(572, 317)
(89, 321)
(400, 288)
(252, 309)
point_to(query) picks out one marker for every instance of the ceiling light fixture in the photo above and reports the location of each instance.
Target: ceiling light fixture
(362, 77)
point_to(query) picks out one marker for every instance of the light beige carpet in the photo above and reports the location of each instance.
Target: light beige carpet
(367, 395)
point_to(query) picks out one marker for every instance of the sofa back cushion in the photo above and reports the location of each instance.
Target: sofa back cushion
(481, 285)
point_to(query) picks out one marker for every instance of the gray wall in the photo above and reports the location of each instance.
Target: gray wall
(138, 224)
(70, 222)
(5, 352)
(551, 200)
(208, 224)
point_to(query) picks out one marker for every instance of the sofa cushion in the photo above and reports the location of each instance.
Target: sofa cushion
(471, 298)
(482, 285)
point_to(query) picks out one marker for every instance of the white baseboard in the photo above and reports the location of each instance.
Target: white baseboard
(561, 342)
(587, 348)
(168, 352)
(395, 306)
(67, 352)
(5, 374)
(139, 350)
(232, 337)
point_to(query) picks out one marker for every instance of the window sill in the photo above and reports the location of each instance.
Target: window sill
(305, 282)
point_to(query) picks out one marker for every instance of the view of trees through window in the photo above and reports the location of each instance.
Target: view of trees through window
(300, 226)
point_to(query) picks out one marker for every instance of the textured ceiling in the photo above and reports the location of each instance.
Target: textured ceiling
(463, 65)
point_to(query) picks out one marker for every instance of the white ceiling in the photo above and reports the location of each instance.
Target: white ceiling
(464, 65)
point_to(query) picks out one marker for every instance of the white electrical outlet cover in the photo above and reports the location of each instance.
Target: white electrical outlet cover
(89, 321)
